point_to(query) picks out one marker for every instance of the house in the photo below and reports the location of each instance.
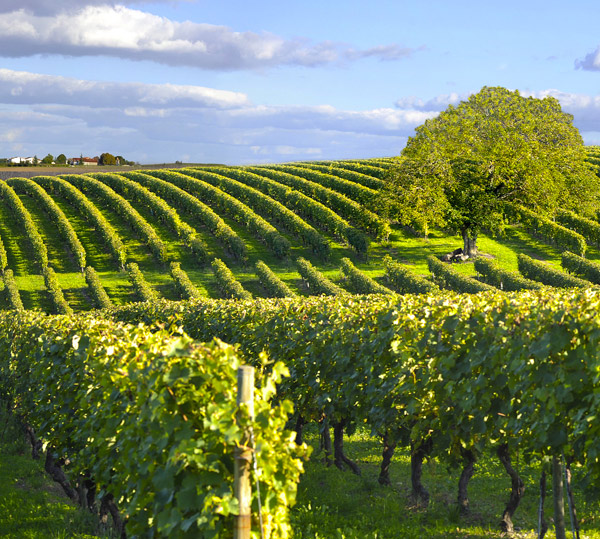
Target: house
(88, 161)
(21, 160)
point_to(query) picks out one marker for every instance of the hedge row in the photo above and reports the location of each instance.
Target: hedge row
(320, 215)
(12, 291)
(273, 285)
(447, 277)
(185, 287)
(553, 233)
(141, 287)
(545, 273)
(352, 190)
(346, 208)
(589, 229)
(359, 282)
(266, 206)
(56, 215)
(581, 267)
(108, 235)
(157, 207)
(54, 289)
(96, 289)
(237, 210)
(315, 281)
(503, 279)
(227, 284)
(18, 210)
(406, 281)
(190, 204)
(151, 419)
(122, 208)
(372, 182)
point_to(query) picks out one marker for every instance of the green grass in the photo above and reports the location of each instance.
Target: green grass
(32, 506)
(336, 504)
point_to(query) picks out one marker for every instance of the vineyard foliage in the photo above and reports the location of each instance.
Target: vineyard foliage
(130, 407)
(461, 360)
(470, 371)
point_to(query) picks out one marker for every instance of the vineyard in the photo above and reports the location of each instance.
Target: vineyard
(353, 323)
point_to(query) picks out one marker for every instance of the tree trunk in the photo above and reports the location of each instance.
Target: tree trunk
(559, 499)
(298, 428)
(516, 493)
(469, 243)
(417, 456)
(388, 453)
(325, 440)
(340, 459)
(53, 468)
(463, 482)
(574, 521)
(108, 506)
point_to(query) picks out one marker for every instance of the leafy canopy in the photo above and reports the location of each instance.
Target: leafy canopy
(461, 166)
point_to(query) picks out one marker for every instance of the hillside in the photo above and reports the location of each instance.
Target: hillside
(320, 212)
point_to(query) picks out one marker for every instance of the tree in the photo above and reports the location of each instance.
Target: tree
(61, 159)
(460, 167)
(48, 160)
(107, 159)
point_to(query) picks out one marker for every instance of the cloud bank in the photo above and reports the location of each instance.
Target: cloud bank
(121, 32)
(166, 122)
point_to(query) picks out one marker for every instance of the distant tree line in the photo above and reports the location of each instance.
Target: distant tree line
(105, 159)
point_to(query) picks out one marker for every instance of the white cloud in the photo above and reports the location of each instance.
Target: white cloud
(21, 87)
(122, 32)
(46, 7)
(591, 62)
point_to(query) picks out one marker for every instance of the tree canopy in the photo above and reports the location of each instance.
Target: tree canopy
(460, 167)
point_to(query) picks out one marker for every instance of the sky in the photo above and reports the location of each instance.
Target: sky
(240, 82)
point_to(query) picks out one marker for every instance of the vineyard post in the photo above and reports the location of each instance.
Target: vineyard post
(243, 456)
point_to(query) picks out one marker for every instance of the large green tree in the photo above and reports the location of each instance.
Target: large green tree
(460, 167)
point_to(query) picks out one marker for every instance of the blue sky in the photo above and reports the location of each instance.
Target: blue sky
(252, 82)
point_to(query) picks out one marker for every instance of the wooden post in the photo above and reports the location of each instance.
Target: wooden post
(243, 457)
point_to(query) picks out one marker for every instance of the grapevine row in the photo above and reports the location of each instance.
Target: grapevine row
(59, 303)
(237, 210)
(354, 191)
(582, 267)
(348, 209)
(451, 374)
(332, 169)
(111, 398)
(317, 212)
(405, 281)
(157, 206)
(141, 287)
(16, 207)
(123, 208)
(503, 279)
(315, 281)
(182, 199)
(543, 272)
(12, 291)
(228, 285)
(359, 282)
(364, 168)
(272, 284)
(449, 278)
(89, 212)
(56, 215)
(96, 289)
(266, 206)
(589, 229)
(185, 287)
